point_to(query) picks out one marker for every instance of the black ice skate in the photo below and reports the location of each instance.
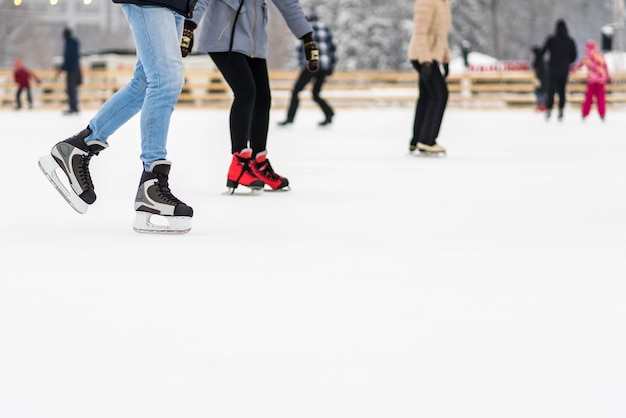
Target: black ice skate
(158, 210)
(548, 114)
(72, 156)
(431, 150)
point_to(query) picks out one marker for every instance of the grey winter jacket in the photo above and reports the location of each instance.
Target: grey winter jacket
(184, 7)
(216, 18)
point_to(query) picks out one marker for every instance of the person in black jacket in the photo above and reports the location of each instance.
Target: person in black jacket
(71, 66)
(157, 28)
(562, 53)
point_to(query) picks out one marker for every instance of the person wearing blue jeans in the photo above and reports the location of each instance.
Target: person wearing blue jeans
(154, 90)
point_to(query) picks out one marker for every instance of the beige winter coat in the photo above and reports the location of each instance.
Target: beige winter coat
(432, 20)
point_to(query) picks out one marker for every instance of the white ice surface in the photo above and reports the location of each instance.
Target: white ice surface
(489, 284)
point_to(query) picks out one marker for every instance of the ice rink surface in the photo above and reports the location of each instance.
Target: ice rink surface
(489, 284)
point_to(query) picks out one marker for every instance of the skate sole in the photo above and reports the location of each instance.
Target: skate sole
(426, 154)
(48, 167)
(148, 223)
(282, 189)
(255, 191)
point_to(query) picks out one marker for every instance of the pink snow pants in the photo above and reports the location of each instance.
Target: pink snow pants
(596, 90)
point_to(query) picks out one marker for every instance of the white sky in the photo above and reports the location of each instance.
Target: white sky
(488, 284)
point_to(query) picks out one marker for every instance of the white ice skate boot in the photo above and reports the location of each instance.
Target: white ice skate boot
(431, 150)
(72, 156)
(158, 210)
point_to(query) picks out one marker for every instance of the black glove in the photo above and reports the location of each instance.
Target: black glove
(311, 52)
(186, 42)
(446, 69)
(426, 71)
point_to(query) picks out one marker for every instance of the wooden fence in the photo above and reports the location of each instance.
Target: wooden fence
(206, 88)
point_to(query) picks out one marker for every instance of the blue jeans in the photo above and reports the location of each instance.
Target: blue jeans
(156, 84)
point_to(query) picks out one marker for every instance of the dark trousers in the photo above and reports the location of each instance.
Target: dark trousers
(305, 77)
(250, 112)
(430, 107)
(18, 97)
(72, 81)
(556, 85)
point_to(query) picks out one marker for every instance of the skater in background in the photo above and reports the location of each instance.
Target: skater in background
(597, 78)
(236, 39)
(539, 66)
(22, 77)
(153, 91)
(71, 67)
(428, 50)
(323, 37)
(561, 50)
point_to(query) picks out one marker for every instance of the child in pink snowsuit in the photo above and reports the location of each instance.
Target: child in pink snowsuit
(597, 77)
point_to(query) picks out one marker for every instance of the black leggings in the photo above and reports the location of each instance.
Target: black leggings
(18, 97)
(303, 79)
(556, 85)
(430, 107)
(250, 112)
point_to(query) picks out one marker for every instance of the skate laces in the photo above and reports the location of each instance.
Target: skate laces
(245, 167)
(267, 171)
(163, 189)
(84, 176)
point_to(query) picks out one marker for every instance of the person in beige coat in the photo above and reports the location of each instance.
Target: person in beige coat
(428, 51)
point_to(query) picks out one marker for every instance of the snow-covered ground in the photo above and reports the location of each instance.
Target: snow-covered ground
(488, 284)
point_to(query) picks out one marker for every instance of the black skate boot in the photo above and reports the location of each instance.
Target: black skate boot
(328, 118)
(72, 156)
(154, 197)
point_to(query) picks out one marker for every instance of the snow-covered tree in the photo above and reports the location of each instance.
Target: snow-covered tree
(371, 34)
(374, 34)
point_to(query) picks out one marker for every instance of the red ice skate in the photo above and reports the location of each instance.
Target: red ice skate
(262, 168)
(240, 173)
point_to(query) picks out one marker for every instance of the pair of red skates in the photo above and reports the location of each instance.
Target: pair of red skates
(254, 173)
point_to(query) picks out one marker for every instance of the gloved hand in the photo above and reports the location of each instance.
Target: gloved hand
(311, 52)
(446, 69)
(186, 42)
(426, 71)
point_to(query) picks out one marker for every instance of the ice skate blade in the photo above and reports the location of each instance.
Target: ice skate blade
(281, 190)
(48, 167)
(148, 223)
(426, 154)
(254, 191)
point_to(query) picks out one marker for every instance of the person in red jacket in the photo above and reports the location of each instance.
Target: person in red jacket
(22, 77)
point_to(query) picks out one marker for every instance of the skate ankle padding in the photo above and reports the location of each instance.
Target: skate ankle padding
(160, 166)
(261, 157)
(245, 153)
